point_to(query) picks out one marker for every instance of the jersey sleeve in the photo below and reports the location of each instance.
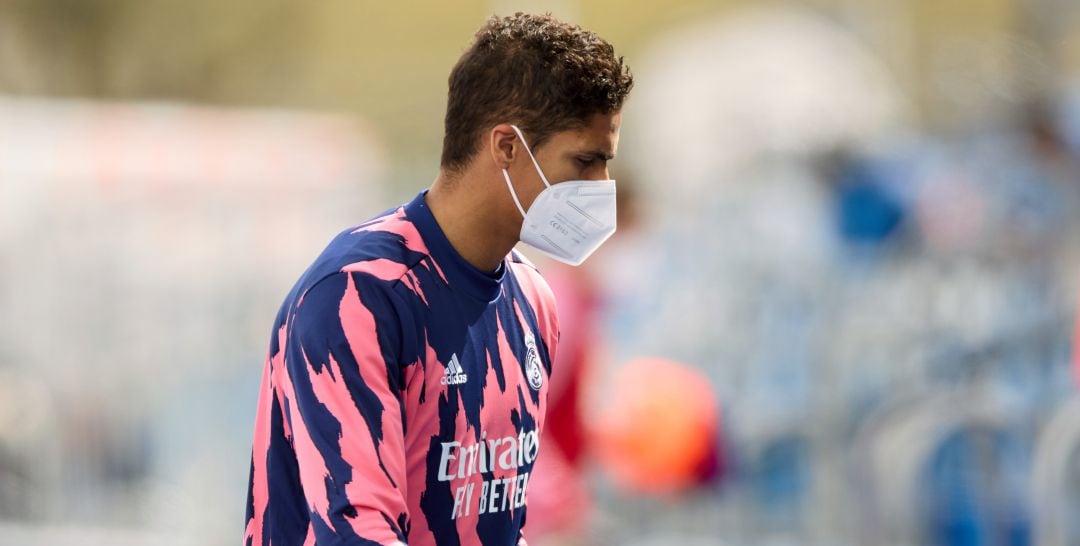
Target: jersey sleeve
(344, 390)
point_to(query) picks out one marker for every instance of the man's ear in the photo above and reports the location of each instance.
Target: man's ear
(503, 144)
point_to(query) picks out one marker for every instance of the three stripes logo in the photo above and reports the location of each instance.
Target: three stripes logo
(455, 374)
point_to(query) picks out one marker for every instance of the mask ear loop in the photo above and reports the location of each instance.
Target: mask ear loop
(513, 194)
(535, 164)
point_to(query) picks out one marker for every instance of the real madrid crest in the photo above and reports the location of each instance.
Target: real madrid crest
(533, 369)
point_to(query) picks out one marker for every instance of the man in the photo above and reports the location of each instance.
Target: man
(406, 382)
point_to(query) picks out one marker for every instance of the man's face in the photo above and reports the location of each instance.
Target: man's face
(576, 154)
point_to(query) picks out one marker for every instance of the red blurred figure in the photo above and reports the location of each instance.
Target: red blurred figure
(559, 499)
(1076, 348)
(686, 420)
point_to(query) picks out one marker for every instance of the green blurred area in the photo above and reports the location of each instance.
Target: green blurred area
(387, 62)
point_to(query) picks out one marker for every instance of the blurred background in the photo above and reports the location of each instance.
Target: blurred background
(840, 310)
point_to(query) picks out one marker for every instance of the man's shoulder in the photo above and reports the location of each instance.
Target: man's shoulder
(539, 296)
(531, 280)
(386, 246)
(383, 248)
(518, 258)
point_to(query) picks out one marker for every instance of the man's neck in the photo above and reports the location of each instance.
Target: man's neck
(470, 218)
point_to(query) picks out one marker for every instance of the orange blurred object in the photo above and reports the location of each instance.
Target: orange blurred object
(659, 431)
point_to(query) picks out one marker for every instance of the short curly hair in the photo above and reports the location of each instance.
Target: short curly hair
(535, 71)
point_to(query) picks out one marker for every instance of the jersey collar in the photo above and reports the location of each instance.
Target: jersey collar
(459, 272)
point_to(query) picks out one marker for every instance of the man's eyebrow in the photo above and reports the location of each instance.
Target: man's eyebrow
(600, 154)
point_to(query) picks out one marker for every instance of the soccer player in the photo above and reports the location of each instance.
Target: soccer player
(403, 396)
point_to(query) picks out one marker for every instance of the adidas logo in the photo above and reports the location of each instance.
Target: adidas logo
(455, 375)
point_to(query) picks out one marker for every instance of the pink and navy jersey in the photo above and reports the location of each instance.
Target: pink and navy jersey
(403, 395)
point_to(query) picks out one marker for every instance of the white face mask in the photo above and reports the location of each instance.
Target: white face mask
(568, 220)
